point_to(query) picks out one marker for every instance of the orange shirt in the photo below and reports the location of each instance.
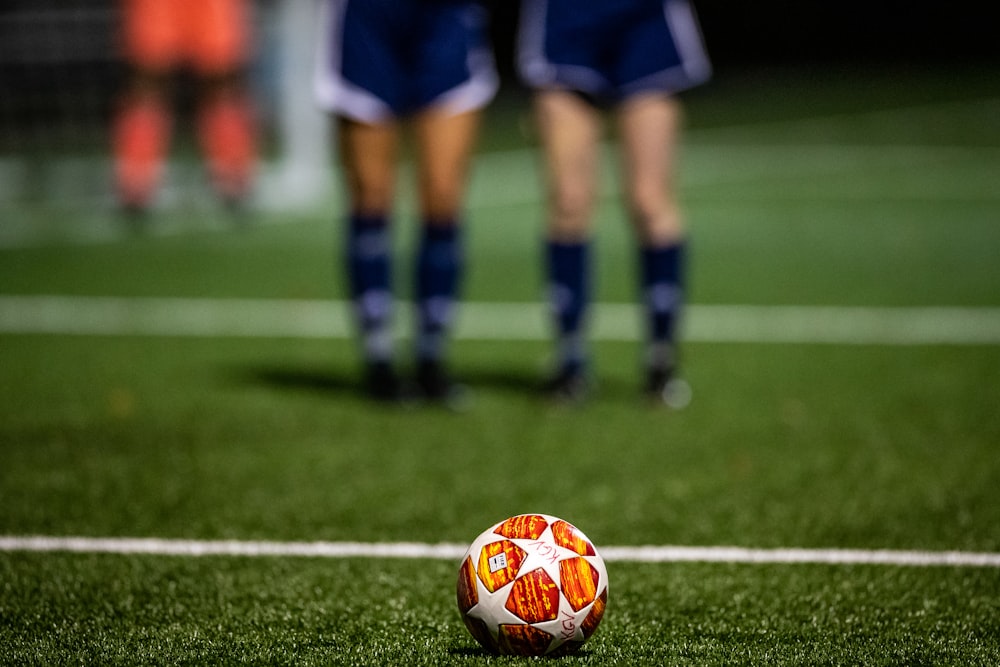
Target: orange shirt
(211, 36)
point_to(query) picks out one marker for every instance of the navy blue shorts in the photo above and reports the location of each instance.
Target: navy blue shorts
(610, 50)
(382, 59)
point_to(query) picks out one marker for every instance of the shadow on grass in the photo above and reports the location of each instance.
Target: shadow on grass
(469, 652)
(344, 382)
(311, 380)
(506, 380)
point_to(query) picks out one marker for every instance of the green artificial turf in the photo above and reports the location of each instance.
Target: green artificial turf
(796, 193)
(117, 610)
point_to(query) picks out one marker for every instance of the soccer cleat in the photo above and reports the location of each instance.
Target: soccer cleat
(382, 384)
(237, 210)
(665, 388)
(435, 385)
(568, 385)
(135, 215)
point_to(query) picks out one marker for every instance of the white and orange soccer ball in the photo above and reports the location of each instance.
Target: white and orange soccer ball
(532, 585)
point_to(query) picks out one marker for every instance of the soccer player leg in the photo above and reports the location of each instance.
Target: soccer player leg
(567, 267)
(649, 127)
(661, 280)
(227, 131)
(368, 153)
(438, 275)
(141, 136)
(570, 129)
(219, 39)
(143, 121)
(454, 79)
(444, 140)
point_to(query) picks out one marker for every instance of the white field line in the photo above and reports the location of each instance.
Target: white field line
(445, 551)
(257, 318)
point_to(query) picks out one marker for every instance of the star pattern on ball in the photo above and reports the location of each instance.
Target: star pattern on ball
(532, 585)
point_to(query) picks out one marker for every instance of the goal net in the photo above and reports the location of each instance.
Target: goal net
(60, 75)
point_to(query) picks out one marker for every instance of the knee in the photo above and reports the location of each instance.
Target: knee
(647, 200)
(655, 218)
(569, 209)
(371, 200)
(441, 198)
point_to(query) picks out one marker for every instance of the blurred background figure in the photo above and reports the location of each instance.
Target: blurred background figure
(427, 63)
(630, 57)
(212, 40)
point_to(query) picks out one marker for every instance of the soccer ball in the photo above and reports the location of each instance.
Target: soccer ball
(532, 585)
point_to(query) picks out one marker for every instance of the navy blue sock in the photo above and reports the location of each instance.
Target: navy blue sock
(663, 297)
(439, 270)
(568, 269)
(369, 280)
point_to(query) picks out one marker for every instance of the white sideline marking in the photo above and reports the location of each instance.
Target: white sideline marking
(444, 551)
(257, 318)
(676, 554)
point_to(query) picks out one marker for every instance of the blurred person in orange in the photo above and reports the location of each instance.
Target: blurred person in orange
(213, 40)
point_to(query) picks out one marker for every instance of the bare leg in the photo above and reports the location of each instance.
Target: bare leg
(570, 130)
(444, 147)
(368, 154)
(649, 127)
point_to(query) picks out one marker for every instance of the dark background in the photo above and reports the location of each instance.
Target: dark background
(57, 57)
(799, 32)
(738, 32)
(887, 30)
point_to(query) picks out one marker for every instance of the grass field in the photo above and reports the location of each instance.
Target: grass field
(197, 398)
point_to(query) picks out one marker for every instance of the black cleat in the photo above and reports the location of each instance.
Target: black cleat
(569, 385)
(237, 210)
(663, 387)
(435, 385)
(382, 384)
(135, 215)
